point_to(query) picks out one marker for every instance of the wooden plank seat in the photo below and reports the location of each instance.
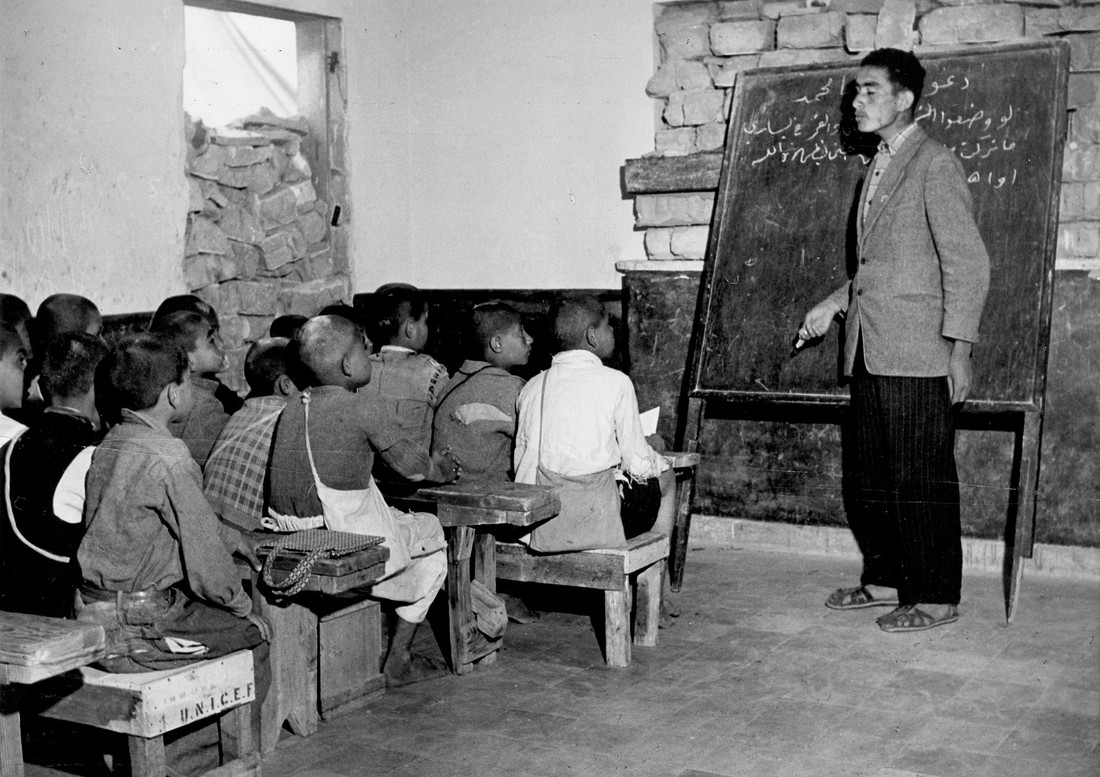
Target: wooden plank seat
(147, 705)
(630, 573)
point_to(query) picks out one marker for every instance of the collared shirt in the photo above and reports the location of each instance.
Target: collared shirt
(587, 422)
(887, 150)
(233, 478)
(203, 422)
(9, 427)
(149, 525)
(345, 431)
(476, 420)
(411, 384)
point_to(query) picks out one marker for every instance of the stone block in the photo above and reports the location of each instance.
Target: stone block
(1053, 21)
(777, 9)
(264, 118)
(256, 298)
(729, 38)
(233, 330)
(318, 265)
(703, 107)
(263, 178)
(245, 156)
(784, 57)
(711, 137)
(278, 207)
(692, 75)
(673, 114)
(673, 210)
(972, 24)
(689, 242)
(308, 298)
(820, 30)
(249, 260)
(205, 237)
(257, 327)
(674, 142)
(1042, 2)
(228, 136)
(201, 270)
(1085, 121)
(1079, 240)
(738, 10)
(724, 70)
(684, 43)
(663, 82)
(297, 169)
(210, 164)
(276, 251)
(676, 16)
(312, 226)
(1081, 162)
(240, 225)
(294, 239)
(895, 25)
(658, 244)
(1080, 201)
(195, 200)
(303, 192)
(856, 6)
(240, 198)
(280, 159)
(859, 33)
(1084, 51)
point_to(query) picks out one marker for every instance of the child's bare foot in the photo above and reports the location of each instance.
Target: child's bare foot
(414, 669)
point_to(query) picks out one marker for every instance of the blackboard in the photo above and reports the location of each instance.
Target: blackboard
(782, 235)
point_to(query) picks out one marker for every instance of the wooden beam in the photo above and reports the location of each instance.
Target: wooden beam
(656, 174)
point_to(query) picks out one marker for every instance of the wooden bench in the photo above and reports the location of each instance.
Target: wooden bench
(33, 649)
(632, 573)
(146, 706)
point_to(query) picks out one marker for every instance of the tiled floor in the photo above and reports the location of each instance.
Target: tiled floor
(755, 678)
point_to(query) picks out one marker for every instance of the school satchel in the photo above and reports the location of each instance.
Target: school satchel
(589, 515)
(306, 548)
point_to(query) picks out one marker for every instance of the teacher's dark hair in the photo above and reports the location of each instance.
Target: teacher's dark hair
(902, 68)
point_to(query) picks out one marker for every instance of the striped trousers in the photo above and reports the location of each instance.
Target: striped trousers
(905, 511)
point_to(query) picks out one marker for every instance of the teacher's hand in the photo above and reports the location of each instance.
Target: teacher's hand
(959, 372)
(818, 320)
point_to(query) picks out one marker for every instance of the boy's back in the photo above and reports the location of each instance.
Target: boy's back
(476, 421)
(411, 385)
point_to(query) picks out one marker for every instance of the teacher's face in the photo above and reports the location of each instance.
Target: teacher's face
(879, 107)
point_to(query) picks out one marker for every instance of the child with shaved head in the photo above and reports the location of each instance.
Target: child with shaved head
(320, 476)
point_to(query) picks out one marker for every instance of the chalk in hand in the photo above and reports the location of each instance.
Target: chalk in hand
(796, 344)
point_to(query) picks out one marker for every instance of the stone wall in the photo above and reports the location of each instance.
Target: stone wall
(257, 240)
(704, 44)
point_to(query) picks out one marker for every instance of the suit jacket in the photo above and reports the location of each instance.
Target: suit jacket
(922, 270)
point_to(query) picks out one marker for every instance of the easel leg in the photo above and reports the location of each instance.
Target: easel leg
(685, 493)
(1020, 529)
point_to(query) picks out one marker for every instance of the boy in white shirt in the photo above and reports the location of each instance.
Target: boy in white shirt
(579, 429)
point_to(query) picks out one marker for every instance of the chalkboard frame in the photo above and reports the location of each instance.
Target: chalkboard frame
(1030, 398)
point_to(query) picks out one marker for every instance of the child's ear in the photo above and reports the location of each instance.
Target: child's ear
(191, 361)
(345, 366)
(496, 345)
(409, 328)
(590, 336)
(284, 386)
(173, 392)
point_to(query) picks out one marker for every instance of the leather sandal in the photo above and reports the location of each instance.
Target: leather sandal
(856, 599)
(913, 618)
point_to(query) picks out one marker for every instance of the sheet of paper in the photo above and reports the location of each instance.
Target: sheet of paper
(649, 420)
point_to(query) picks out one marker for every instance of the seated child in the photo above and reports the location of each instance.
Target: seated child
(411, 383)
(13, 363)
(200, 426)
(231, 402)
(233, 478)
(58, 314)
(286, 326)
(320, 475)
(578, 428)
(155, 559)
(15, 313)
(476, 415)
(43, 471)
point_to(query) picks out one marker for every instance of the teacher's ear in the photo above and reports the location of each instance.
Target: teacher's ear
(905, 100)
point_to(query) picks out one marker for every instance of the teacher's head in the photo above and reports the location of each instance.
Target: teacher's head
(888, 86)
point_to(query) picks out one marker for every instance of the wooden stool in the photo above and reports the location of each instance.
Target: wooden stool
(32, 649)
(145, 706)
(631, 572)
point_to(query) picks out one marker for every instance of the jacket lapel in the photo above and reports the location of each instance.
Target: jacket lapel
(890, 180)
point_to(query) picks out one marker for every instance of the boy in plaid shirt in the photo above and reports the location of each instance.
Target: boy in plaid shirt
(233, 478)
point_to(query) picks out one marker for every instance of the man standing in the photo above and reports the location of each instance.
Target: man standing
(912, 313)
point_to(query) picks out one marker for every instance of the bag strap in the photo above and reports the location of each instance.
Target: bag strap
(295, 580)
(458, 385)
